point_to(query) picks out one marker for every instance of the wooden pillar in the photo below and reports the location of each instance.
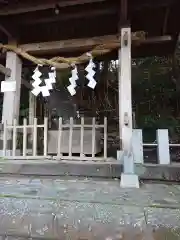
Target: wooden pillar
(125, 102)
(32, 115)
(11, 100)
(32, 108)
(128, 178)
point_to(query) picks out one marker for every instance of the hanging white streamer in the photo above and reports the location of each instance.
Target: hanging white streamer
(90, 76)
(72, 80)
(48, 82)
(52, 75)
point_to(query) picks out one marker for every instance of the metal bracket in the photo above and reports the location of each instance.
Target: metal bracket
(126, 119)
(125, 39)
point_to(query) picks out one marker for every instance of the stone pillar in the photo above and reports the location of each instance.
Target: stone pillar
(128, 178)
(11, 100)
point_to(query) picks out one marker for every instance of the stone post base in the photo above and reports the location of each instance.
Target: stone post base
(129, 180)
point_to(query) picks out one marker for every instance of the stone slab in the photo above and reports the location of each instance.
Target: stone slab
(88, 169)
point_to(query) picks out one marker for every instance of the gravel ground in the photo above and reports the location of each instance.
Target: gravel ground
(87, 209)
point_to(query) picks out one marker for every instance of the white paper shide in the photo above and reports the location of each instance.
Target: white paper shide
(72, 80)
(37, 89)
(90, 73)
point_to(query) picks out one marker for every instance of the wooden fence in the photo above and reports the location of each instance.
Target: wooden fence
(162, 144)
(31, 142)
(34, 140)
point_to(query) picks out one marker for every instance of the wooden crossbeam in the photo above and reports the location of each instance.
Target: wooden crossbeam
(66, 45)
(6, 31)
(144, 4)
(84, 44)
(5, 71)
(19, 8)
(65, 17)
(71, 45)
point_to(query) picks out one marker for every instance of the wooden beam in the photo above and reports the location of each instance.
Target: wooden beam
(84, 44)
(159, 39)
(66, 45)
(20, 8)
(151, 5)
(5, 31)
(65, 17)
(5, 71)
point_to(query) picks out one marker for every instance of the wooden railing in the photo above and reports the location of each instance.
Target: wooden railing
(36, 135)
(82, 126)
(162, 145)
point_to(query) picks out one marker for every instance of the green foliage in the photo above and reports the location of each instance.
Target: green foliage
(155, 96)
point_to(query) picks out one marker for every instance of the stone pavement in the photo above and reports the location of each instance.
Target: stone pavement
(79, 208)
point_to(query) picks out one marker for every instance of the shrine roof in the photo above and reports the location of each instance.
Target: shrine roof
(44, 20)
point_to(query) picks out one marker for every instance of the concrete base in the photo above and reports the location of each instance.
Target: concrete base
(129, 181)
(74, 168)
(9, 153)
